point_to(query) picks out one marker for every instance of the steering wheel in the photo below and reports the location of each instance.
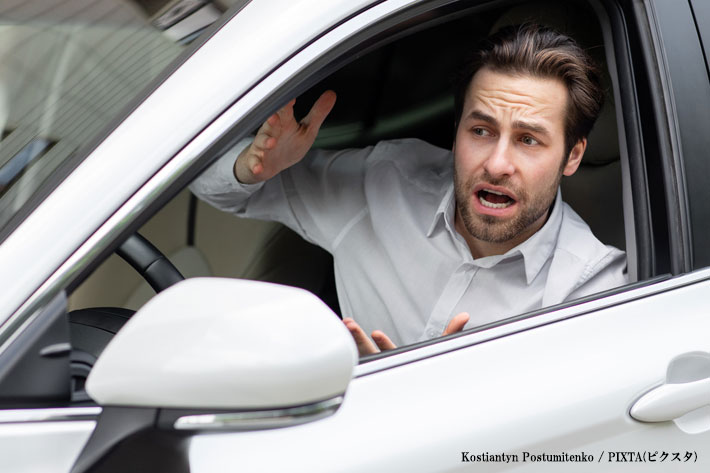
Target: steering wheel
(93, 328)
(149, 262)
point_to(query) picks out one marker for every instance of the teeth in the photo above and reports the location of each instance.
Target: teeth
(493, 192)
(491, 205)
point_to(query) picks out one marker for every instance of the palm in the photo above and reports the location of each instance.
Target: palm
(282, 141)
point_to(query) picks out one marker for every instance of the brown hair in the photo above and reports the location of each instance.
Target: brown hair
(539, 51)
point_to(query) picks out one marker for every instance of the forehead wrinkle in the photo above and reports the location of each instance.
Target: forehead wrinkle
(507, 88)
(520, 103)
(508, 98)
(527, 111)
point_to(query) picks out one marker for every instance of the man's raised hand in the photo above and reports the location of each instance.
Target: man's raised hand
(281, 141)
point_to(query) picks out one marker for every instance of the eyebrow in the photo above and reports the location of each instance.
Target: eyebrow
(478, 115)
(534, 127)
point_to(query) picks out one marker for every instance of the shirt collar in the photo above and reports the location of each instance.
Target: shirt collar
(538, 249)
(535, 251)
(444, 213)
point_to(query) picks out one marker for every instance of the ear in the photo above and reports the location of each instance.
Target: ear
(575, 157)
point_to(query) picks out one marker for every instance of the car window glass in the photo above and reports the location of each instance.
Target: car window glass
(68, 68)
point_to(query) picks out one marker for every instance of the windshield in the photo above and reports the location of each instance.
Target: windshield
(67, 70)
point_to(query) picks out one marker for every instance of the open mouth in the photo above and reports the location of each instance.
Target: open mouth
(494, 199)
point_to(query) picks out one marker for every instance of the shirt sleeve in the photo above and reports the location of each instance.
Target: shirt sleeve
(612, 273)
(315, 198)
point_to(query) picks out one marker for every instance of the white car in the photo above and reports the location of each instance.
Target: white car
(110, 108)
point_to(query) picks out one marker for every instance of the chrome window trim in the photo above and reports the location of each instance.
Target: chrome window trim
(59, 414)
(16, 324)
(259, 420)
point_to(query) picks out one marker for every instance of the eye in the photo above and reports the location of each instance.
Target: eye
(480, 131)
(529, 140)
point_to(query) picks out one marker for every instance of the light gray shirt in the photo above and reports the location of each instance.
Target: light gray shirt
(386, 213)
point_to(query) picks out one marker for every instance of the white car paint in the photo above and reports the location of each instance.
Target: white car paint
(45, 447)
(563, 387)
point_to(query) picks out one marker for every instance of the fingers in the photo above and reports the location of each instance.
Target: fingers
(262, 141)
(254, 164)
(382, 340)
(284, 120)
(285, 115)
(364, 344)
(266, 139)
(319, 112)
(457, 323)
(281, 142)
(270, 129)
(248, 165)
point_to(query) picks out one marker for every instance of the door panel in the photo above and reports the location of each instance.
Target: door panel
(42, 447)
(36, 435)
(563, 387)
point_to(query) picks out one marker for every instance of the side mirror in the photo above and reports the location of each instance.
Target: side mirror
(213, 354)
(226, 344)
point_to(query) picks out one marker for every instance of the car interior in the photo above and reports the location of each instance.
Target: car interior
(400, 89)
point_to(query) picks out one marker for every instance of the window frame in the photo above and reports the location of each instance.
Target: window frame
(384, 22)
(682, 59)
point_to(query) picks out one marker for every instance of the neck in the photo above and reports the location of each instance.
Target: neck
(480, 248)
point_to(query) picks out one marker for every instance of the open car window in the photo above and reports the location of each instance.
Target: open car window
(399, 89)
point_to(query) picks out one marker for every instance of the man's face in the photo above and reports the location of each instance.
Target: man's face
(509, 156)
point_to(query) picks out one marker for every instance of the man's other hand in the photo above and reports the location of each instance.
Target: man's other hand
(382, 342)
(281, 141)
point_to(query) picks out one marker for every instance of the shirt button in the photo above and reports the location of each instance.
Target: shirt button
(432, 334)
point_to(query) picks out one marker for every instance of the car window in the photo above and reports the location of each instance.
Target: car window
(399, 90)
(412, 97)
(68, 70)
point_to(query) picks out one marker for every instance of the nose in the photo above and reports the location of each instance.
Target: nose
(499, 162)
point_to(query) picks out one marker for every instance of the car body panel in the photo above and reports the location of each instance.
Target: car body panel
(44, 440)
(564, 387)
(45, 447)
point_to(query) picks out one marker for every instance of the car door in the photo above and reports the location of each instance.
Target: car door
(552, 393)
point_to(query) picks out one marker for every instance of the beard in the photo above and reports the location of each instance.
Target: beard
(493, 229)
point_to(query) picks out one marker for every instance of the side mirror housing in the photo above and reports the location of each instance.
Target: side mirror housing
(212, 343)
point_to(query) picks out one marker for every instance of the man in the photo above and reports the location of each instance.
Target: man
(416, 240)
